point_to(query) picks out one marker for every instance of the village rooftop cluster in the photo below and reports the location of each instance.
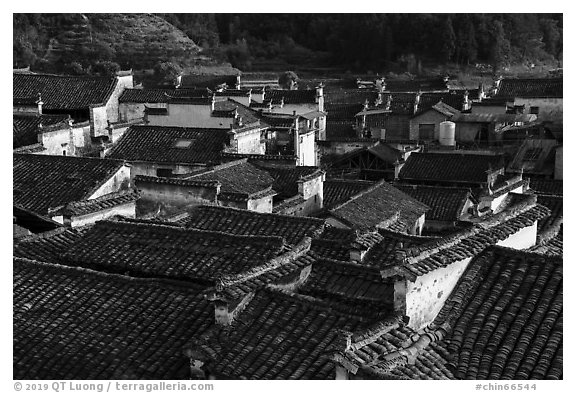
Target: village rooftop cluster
(225, 228)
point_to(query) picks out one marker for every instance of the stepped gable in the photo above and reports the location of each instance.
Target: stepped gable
(463, 168)
(60, 92)
(531, 88)
(379, 203)
(446, 203)
(420, 260)
(73, 323)
(280, 335)
(243, 222)
(147, 249)
(26, 127)
(41, 182)
(175, 145)
(502, 321)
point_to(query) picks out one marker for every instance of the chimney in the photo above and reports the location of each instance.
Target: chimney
(249, 97)
(263, 93)
(212, 105)
(466, 104)
(281, 102)
(378, 100)
(481, 95)
(238, 82)
(366, 104)
(357, 253)
(221, 313)
(39, 103)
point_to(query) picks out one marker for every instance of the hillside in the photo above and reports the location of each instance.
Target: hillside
(76, 43)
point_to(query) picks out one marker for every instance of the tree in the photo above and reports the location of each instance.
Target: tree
(500, 50)
(106, 68)
(448, 40)
(288, 80)
(167, 72)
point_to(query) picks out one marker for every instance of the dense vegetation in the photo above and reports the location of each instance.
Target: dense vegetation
(96, 43)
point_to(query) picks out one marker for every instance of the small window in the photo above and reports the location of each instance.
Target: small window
(63, 152)
(183, 143)
(534, 110)
(164, 172)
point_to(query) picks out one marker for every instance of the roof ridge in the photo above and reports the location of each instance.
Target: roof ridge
(252, 213)
(178, 228)
(153, 281)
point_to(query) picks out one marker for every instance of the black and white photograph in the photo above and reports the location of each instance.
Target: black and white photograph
(287, 195)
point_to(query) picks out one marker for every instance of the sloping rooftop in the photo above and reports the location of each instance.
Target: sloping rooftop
(107, 201)
(291, 96)
(26, 128)
(493, 118)
(537, 88)
(63, 92)
(286, 177)
(239, 177)
(502, 321)
(41, 182)
(281, 335)
(379, 203)
(48, 246)
(547, 186)
(349, 283)
(243, 222)
(446, 203)
(147, 249)
(74, 323)
(161, 144)
(337, 190)
(450, 167)
(454, 100)
(159, 95)
(34, 222)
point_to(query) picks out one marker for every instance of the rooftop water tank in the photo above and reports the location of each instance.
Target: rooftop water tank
(447, 133)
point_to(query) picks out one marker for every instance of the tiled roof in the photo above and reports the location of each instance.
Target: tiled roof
(73, 323)
(379, 203)
(243, 222)
(440, 167)
(146, 249)
(248, 115)
(108, 201)
(157, 144)
(350, 96)
(159, 95)
(343, 112)
(421, 260)
(209, 81)
(401, 104)
(286, 178)
(502, 321)
(453, 99)
(337, 191)
(547, 186)
(292, 96)
(383, 253)
(340, 129)
(41, 182)
(282, 335)
(32, 221)
(349, 283)
(237, 177)
(34, 148)
(26, 127)
(541, 88)
(493, 118)
(446, 203)
(48, 246)
(416, 85)
(523, 342)
(64, 92)
(553, 246)
(555, 204)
